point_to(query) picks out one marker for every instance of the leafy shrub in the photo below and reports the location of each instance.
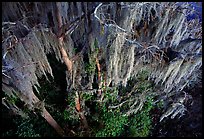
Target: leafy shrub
(69, 113)
(90, 67)
(113, 124)
(112, 121)
(140, 123)
(26, 129)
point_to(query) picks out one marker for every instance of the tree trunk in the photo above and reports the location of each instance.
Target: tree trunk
(68, 63)
(60, 36)
(80, 111)
(99, 76)
(65, 57)
(52, 122)
(45, 114)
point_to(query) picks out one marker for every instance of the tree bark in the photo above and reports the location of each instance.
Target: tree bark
(65, 57)
(68, 63)
(80, 111)
(45, 114)
(99, 76)
(52, 122)
(61, 36)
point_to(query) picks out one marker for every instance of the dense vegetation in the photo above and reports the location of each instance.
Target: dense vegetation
(102, 120)
(95, 69)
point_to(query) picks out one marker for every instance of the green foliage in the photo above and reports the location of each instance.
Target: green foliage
(87, 96)
(160, 104)
(12, 99)
(107, 122)
(49, 91)
(26, 129)
(95, 45)
(113, 124)
(110, 122)
(71, 100)
(142, 75)
(143, 86)
(140, 123)
(142, 83)
(35, 125)
(111, 95)
(8, 133)
(69, 114)
(75, 50)
(91, 65)
(66, 115)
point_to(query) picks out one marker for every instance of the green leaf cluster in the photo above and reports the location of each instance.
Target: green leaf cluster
(141, 123)
(90, 66)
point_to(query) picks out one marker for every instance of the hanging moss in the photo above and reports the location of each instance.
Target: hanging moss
(143, 36)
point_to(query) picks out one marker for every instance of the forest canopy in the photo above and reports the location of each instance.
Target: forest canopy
(98, 69)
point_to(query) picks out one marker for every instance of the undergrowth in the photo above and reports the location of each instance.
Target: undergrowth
(103, 121)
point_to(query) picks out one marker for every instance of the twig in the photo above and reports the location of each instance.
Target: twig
(4, 56)
(10, 23)
(108, 25)
(119, 105)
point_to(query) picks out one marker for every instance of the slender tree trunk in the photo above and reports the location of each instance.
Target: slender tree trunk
(65, 57)
(99, 76)
(68, 62)
(80, 111)
(45, 114)
(52, 122)
(61, 36)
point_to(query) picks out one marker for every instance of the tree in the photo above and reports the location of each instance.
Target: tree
(118, 39)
